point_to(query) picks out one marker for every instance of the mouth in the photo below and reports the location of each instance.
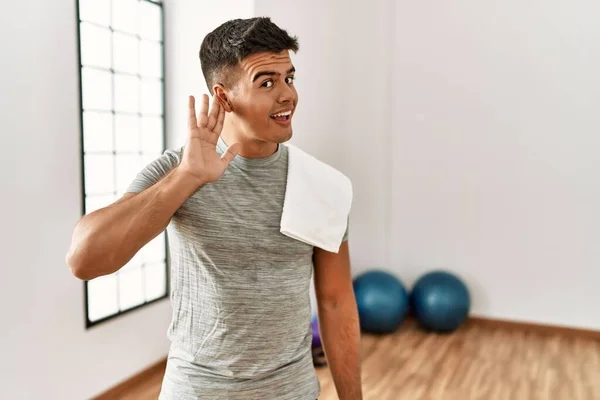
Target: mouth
(282, 117)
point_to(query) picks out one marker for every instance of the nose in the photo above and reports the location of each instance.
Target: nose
(287, 94)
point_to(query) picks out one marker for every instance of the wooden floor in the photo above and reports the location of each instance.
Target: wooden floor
(477, 362)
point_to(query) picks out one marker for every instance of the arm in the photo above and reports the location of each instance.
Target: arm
(105, 240)
(338, 320)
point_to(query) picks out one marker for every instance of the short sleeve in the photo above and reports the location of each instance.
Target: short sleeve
(155, 171)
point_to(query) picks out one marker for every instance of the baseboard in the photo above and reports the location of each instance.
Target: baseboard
(536, 327)
(122, 388)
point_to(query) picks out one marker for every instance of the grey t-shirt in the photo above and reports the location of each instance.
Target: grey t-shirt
(240, 290)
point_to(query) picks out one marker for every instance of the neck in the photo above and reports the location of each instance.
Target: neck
(250, 147)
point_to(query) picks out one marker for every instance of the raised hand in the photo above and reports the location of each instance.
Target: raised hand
(200, 158)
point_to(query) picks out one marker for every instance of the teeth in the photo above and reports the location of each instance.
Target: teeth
(283, 114)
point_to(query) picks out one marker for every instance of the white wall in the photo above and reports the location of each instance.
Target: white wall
(365, 139)
(496, 159)
(46, 351)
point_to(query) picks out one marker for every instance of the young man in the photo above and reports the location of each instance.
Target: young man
(240, 288)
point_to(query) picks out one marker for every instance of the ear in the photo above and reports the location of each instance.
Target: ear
(221, 92)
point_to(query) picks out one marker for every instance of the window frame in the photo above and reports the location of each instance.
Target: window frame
(167, 260)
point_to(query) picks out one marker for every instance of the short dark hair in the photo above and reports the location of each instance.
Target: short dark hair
(231, 42)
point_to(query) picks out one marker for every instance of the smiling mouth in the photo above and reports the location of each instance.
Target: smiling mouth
(283, 116)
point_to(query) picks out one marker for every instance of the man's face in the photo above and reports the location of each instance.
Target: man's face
(264, 98)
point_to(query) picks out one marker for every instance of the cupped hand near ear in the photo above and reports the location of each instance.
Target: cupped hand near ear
(200, 158)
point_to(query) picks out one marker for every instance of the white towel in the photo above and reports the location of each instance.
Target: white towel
(317, 201)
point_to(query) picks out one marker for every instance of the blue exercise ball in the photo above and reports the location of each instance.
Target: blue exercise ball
(382, 301)
(440, 301)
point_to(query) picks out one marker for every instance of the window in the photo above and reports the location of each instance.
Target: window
(121, 53)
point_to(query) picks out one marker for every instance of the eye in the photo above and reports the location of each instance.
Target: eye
(267, 84)
(290, 79)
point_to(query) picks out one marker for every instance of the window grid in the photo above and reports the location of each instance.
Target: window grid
(145, 264)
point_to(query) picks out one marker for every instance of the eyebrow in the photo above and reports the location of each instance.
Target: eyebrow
(271, 73)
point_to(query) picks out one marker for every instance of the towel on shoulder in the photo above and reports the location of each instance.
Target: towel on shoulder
(317, 201)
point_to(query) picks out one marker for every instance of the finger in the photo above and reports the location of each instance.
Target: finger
(192, 123)
(214, 113)
(202, 115)
(231, 153)
(220, 120)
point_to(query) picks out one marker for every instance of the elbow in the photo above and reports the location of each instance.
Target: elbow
(83, 265)
(81, 274)
(77, 265)
(75, 258)
(88, 256)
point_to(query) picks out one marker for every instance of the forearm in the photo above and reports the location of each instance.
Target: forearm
(340, 335)
(105, 240)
